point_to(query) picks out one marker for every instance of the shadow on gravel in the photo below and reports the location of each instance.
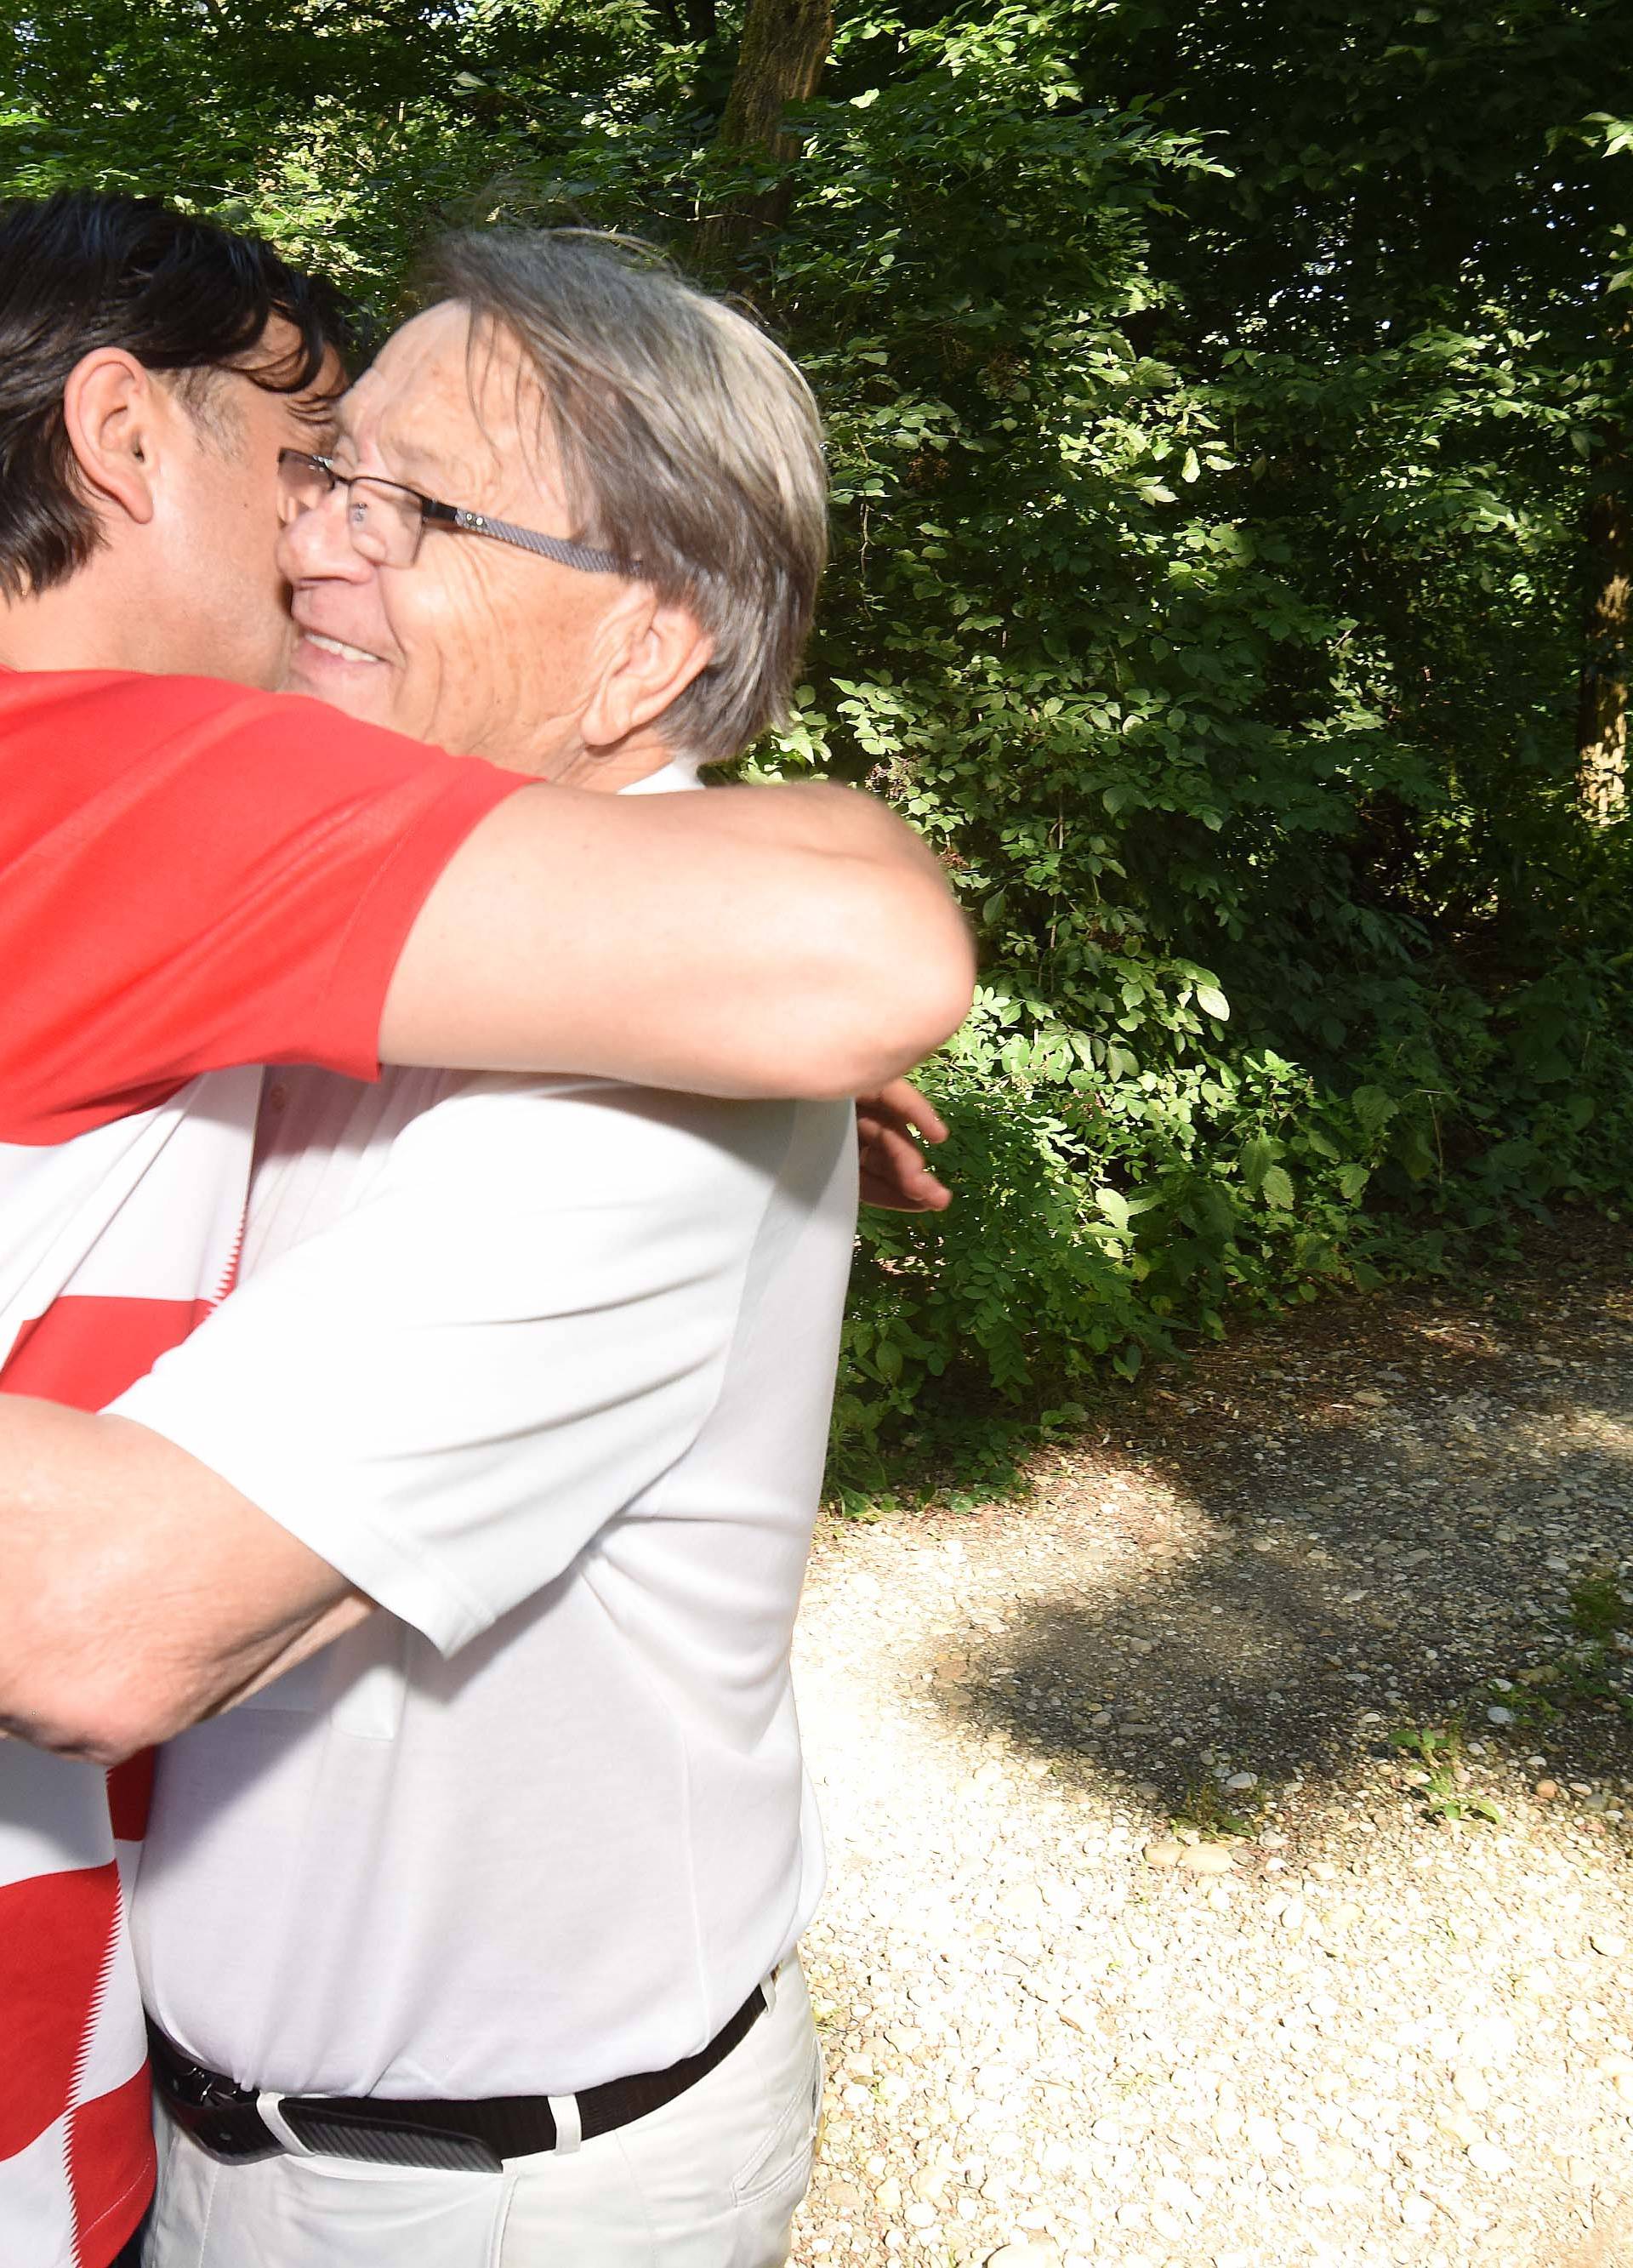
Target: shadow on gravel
(1336, 1529)
(1611, 2247)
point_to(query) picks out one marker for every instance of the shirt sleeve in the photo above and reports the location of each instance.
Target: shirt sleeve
(192, 876)
(448, 1391)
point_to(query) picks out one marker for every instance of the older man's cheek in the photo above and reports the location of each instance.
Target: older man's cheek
(459, 649)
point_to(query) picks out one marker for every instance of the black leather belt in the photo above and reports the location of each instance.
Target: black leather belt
(479, 2136)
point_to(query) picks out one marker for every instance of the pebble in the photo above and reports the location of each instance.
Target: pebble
(1610, 1943)
(1164, 1854)
(1023, 1902)
(1206, 1858)
(1486, 2158)
(1471, 2088)
(1489, 2040)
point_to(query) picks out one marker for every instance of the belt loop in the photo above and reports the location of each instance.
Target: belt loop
(271, 2108)
(768, 1991)
(569, 2131)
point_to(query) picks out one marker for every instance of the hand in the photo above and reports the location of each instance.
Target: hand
(894, 1174)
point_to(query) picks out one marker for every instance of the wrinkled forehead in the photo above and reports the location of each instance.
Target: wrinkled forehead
(449, 405)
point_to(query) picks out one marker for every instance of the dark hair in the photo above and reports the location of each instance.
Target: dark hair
(81, 270)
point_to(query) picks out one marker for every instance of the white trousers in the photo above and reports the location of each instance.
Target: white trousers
(711, 2181)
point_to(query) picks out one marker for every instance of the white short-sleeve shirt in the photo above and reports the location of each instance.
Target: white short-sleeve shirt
(545, 1367)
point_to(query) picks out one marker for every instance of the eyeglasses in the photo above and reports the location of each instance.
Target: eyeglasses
(386, 521)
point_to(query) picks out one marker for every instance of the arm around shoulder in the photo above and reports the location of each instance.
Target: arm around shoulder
(794, 941)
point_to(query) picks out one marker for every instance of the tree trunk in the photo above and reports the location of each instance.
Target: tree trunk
(785, 47)
(1602, 696)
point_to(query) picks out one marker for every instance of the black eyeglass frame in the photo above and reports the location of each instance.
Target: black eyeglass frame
(434, 513)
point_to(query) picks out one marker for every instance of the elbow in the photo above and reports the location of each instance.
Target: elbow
(945, 982)
(73, 1725)
(74, 1711)
(885, 961)
(906, 984)
(108, 1741)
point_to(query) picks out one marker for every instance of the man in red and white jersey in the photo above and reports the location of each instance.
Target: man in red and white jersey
(195, 878)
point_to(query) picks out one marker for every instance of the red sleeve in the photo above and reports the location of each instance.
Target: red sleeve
(192, 876)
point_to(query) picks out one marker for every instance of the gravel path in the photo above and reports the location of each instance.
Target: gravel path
(1229, 1857)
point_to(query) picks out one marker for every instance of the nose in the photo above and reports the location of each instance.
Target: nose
(316, 547)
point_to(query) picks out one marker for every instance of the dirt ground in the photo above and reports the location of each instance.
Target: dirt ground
(1230, 1842)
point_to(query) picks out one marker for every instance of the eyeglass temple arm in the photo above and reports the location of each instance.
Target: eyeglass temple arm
(583, 555)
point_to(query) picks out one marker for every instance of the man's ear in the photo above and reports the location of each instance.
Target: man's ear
(113, 414)
(649, 653)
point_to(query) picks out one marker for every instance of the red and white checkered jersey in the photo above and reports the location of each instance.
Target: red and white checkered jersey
(193, 879)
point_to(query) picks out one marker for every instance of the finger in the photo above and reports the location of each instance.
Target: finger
(888, 1196)
(894, 1174)
(903, 1104)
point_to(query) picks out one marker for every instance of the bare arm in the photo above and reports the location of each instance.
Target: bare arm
(139, 1590)
(750, 941)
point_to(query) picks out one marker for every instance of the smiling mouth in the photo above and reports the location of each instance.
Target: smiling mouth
(336, 647)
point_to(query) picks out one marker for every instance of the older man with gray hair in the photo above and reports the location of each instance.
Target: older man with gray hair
(471, 1941)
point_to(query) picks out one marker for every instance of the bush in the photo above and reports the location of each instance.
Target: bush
(1213, 404)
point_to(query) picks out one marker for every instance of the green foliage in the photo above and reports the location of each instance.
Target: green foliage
(1203, 1808)
(1213, 395)
(1598, 1608)
(1440, 1776)
(1590, 1672)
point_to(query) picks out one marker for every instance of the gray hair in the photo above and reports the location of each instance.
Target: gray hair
(686, 440)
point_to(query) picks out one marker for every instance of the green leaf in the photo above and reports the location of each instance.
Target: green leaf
(1212, 1002)
(1415, 1151)
(1115, 1206)
(1258, 1156)
(1374, 1107)
(1277, 1188)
